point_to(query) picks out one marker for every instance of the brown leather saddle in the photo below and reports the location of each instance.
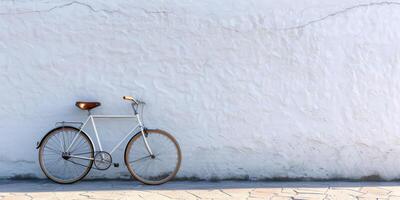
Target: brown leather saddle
(85, 105)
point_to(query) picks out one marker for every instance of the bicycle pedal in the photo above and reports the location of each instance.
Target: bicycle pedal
(116, 164)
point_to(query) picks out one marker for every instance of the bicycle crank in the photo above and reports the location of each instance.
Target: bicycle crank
(102, 160)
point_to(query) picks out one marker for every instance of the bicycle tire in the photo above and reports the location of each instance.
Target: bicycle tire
(156, 148)
(42, 159)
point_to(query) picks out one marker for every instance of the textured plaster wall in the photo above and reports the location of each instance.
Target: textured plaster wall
(252, 88)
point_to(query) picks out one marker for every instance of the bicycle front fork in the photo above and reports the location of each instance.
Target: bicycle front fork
(146, 143)
(142, 130)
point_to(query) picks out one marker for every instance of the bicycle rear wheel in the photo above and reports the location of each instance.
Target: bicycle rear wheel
(60, 165)
(157, 169)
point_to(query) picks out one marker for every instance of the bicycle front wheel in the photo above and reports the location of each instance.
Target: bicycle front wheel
(154, 169)
(66, 155)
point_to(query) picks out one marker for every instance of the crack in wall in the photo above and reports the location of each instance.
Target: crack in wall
(334, 14)
(345, 10)
(301, 26)
(91, 8)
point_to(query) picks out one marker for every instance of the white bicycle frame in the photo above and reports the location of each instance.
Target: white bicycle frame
(92, 117)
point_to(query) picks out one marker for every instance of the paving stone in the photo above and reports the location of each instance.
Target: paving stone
(210, 194)
(310, 196)
(177, 194)
(42, 195)
(375, 191)
(311, 190)
(394, 197)
(201, 190)
(343, 193)
(239, 193)
(281, 198)
(264, 192)
(17, 197)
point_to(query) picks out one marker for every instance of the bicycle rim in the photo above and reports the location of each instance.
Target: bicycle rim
(63, 169)
(153, 170)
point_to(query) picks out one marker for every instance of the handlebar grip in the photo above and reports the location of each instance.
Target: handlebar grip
(127, 98)
(130, 98)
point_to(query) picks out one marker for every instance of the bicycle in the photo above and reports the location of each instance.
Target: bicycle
(67, 153)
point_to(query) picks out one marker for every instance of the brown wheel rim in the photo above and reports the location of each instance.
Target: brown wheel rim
(52, 155)
(160, 169)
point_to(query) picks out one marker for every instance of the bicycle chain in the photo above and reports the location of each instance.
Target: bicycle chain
(92, 167)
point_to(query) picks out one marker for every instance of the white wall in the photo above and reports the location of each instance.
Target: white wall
(256, 88)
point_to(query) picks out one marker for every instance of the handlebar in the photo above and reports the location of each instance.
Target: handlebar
(132, 99)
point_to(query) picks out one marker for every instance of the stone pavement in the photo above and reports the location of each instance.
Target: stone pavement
(124, 190)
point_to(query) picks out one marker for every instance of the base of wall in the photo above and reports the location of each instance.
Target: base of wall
(216, 179)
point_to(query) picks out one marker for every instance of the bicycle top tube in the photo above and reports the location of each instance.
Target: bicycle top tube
(113, 116)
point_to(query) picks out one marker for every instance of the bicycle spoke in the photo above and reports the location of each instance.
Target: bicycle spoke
(56, 143)
(140, 159)
(78, 144)
(77, 163)
(157, 169)
(54, 150)
(76, 154)
(63, 144)
(66, 169)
